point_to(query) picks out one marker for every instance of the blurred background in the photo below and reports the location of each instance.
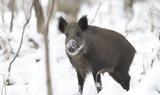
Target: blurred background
(33, 48)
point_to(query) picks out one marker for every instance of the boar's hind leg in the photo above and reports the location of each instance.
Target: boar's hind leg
(97, 80)
(115, 76)
(80, 81)
(122, 78)
(125, 79)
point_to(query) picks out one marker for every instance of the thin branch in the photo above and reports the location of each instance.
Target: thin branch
(127, 23)
(27, 21)
(50, 11)
(9, 69)
(11, 23)
(5, 89)
(2, 10)
(98, 8)
(39, 16)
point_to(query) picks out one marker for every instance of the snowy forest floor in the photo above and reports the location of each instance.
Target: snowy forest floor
(28, 70)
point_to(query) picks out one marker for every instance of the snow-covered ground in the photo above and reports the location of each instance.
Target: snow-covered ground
(28, 71)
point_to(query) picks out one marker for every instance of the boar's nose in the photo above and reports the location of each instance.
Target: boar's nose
(72, 45)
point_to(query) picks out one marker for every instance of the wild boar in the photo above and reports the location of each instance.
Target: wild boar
(97, 50)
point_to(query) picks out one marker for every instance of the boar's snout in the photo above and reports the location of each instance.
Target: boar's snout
(72, 46)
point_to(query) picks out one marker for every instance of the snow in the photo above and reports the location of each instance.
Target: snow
(29, 77)
(150, 83)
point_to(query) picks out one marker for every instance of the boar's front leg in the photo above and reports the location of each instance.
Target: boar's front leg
(80, 81)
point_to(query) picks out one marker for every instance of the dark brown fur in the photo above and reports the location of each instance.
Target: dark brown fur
(104, 51)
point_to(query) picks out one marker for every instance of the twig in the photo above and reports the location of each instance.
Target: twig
(98, 8)
(50, 11)
(11, 23)
(5, 89)
(27, 21)
(144, 71)
(9, 69)
(129, 20)
(127, 23)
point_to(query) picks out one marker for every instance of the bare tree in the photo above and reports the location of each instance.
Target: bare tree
(128, 5)
(11, 6)
(2, 11)
(43, 26)
(4, 91)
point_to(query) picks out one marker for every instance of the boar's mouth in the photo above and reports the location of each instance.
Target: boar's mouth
(72, 48)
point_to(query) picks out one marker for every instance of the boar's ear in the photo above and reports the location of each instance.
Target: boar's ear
(83, 23)
(62, 24)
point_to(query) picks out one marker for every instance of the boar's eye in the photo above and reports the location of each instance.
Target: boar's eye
(66, 34)
(78, 34)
